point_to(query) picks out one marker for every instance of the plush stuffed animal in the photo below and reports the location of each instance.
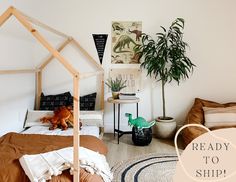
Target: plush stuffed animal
(62, 117)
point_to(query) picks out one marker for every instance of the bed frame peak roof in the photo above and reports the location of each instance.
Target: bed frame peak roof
(27, 22)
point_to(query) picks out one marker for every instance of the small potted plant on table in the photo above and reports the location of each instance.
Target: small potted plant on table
(116, 86)
(166, 60)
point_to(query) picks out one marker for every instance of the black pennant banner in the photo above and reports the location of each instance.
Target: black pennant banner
(100, 43)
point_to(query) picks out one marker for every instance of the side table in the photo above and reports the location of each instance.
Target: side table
(119, 102)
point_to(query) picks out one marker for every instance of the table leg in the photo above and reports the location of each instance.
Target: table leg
(137, 109)
(114, 110)
(118, 123)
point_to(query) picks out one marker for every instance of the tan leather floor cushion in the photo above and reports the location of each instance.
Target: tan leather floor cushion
(196, 116)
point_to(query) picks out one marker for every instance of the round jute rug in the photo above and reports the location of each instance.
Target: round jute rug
(146, 168)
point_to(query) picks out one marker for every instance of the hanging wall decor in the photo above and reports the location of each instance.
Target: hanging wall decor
(132, 77)
(100, 43)
(125, 36)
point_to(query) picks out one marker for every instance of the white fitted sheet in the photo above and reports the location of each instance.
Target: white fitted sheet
(85, 130)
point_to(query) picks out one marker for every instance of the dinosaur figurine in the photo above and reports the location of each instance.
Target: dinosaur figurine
(139, 122)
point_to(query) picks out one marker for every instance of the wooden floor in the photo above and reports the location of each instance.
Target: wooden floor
(126, 149)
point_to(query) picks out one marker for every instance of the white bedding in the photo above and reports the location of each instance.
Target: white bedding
(88, 118)
(85, 130)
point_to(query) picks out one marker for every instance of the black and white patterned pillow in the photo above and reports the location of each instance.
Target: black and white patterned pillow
(52, 102)
(87, 102)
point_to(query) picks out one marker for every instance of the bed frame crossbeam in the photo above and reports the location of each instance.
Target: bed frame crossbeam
(87, 55)
(20, 71)
(50, 57)
(6, 15)
(44, 26)
(90, 74)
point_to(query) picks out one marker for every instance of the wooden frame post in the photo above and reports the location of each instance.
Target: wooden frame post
(102, 92)
(38, 80)
(76, 142)
(102, 103)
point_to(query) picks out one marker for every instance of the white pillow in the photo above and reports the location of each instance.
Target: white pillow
(91, 115)
(33, 118)
(91, 118)
(220, 116)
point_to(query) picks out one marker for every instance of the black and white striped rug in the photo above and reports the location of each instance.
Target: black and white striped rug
(147, 168)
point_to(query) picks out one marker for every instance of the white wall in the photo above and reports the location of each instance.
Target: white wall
(17, 91)
(210, 31)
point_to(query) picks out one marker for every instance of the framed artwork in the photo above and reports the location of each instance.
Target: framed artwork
(132, 77)
(125, 36)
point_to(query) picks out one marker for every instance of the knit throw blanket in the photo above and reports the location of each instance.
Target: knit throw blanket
(41, 167)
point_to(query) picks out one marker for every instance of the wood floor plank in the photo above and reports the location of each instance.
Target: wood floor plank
(126, 149)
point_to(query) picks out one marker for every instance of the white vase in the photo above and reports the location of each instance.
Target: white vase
(165, 128)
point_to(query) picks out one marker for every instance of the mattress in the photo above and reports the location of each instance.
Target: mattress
(85, 130)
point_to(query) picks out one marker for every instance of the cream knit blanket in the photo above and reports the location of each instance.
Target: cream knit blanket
(41, 167)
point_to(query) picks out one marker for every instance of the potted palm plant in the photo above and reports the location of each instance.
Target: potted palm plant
(116, 86)
(165, 59)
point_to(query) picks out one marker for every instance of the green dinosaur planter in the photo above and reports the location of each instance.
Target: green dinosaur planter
(139, 122)
(141, 137)
(141, 131)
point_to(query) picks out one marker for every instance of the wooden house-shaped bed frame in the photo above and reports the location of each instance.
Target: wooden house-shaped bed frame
(27, 22)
